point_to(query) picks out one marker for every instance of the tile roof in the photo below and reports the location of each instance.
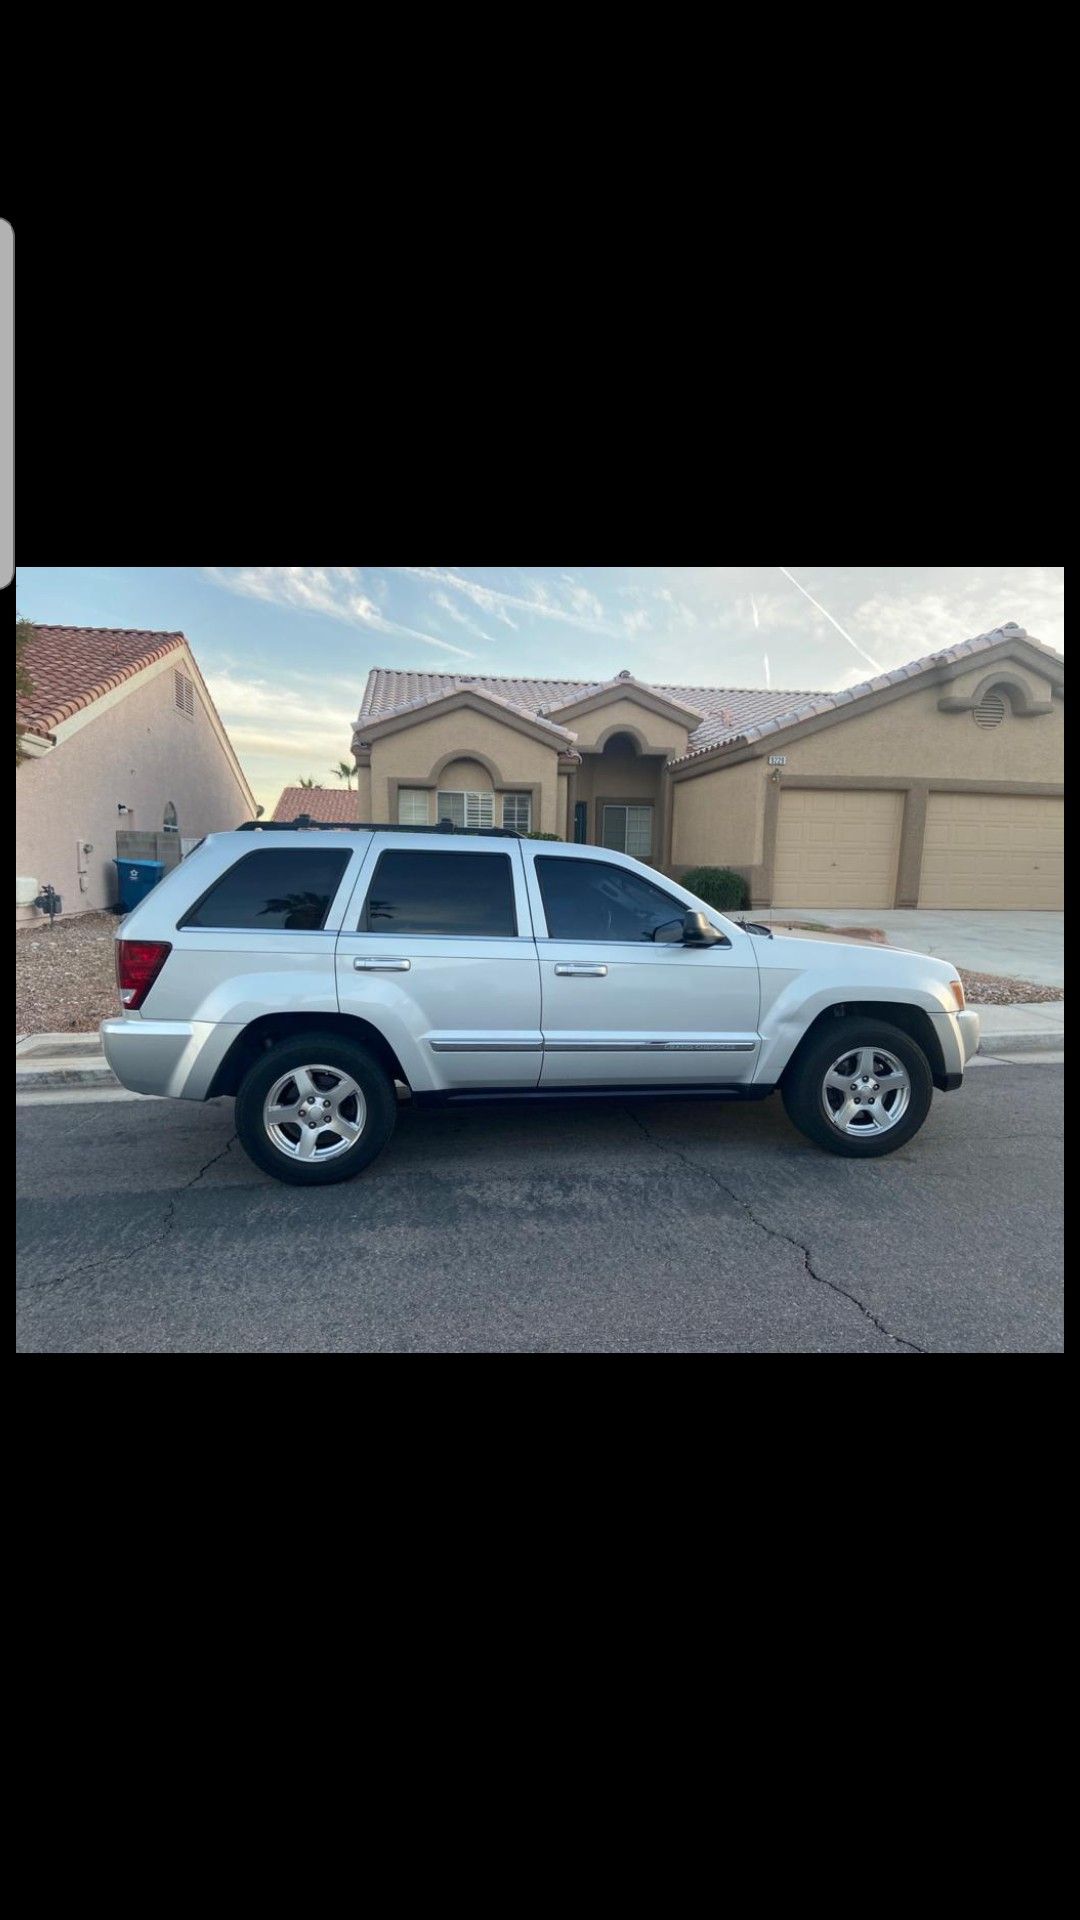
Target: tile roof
(461, 684)
(71, 667)
(729, 714)
(336, 804)
(724, 709)
(808, 706)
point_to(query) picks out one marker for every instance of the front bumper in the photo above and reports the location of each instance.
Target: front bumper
(959, 1037)
(970, 1030)
(176, 1058)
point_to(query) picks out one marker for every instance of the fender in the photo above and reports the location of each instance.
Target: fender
(801, 979)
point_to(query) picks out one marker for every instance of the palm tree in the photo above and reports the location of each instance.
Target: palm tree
(343, 771)
(317, 784)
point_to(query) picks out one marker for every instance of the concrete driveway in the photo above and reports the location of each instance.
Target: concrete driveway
(1026, 946)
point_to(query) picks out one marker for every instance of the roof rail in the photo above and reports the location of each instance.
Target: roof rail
(305, 824)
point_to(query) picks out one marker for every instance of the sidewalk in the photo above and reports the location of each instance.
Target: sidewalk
(76, 1060)
(1033, 1029)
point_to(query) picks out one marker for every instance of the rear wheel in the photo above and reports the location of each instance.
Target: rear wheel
(860, 1087)
(315, 1110)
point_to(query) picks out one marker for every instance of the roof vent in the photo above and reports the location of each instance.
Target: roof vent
(990, 711)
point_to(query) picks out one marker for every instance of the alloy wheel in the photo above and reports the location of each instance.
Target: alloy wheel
(866, 1091)
(314, 1113)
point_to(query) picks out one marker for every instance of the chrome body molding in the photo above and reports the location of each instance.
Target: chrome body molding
(650, 1046)
(486, 1046)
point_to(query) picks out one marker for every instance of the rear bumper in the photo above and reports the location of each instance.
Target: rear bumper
(176, 1058)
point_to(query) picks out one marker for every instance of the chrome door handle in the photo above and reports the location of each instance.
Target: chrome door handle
(382, 966)
(581, 973)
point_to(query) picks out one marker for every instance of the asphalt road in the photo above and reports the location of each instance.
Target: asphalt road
(143, 1227)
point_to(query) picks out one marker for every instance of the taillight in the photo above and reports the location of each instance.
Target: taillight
(138, 963)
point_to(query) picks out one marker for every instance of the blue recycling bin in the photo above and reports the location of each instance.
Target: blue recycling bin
(135, 879)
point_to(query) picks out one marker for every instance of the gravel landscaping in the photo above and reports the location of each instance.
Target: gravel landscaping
(993, 990)
(65, 979)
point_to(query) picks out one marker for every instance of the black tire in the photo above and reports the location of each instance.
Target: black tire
(803, 1086)
(341, 1057)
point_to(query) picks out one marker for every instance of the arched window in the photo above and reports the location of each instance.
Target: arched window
(170, 824)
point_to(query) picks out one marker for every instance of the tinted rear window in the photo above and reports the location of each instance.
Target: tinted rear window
(447, 893)
(278, 887)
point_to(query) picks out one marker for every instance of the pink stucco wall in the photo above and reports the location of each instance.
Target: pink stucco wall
(141, 751)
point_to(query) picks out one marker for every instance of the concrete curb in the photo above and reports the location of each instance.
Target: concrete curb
(1046, 1040)
(31, 1079)
(61, 1060)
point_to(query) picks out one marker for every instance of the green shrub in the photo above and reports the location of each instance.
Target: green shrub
(717, 886)
(543, 836)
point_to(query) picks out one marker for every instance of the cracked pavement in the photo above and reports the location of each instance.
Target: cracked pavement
(641, 1227)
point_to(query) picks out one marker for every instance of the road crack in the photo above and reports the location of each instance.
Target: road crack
(168, 1220)
(774, 1233)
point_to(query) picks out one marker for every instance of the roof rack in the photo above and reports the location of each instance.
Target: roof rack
(305, 824)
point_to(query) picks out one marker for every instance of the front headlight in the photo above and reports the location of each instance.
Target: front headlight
(958, 994)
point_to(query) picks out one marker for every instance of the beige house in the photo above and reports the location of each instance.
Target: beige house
(939, 784)
(121, 737)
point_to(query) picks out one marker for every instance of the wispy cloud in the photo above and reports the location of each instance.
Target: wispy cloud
(446, 605)
(577, 607)
(333, 591)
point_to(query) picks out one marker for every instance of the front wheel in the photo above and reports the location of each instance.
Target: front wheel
(860, 1088)
(315, 1110)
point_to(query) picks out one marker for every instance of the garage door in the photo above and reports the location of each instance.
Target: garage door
(837, 849)
(993, 850)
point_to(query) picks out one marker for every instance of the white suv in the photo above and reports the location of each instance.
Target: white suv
(307, 970)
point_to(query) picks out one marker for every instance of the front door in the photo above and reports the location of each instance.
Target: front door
(437, 951)
(619, 1005)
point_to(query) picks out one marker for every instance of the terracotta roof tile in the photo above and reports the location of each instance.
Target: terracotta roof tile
(329, 804)
(71, 667)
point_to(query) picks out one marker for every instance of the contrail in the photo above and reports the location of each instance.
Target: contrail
(757, 621)
(768, 675)
(876, 664)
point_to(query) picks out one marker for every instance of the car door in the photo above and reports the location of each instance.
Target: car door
(619, 1006)
(437, 951)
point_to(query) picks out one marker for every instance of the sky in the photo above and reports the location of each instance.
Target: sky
(285, 651)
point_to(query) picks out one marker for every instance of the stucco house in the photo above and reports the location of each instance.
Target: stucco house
(939, 784)
(121, 736)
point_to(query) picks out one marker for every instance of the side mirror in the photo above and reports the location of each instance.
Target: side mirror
(699, 932)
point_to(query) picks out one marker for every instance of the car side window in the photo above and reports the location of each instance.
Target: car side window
(286, 889)
(596, 900)
(459, 894)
